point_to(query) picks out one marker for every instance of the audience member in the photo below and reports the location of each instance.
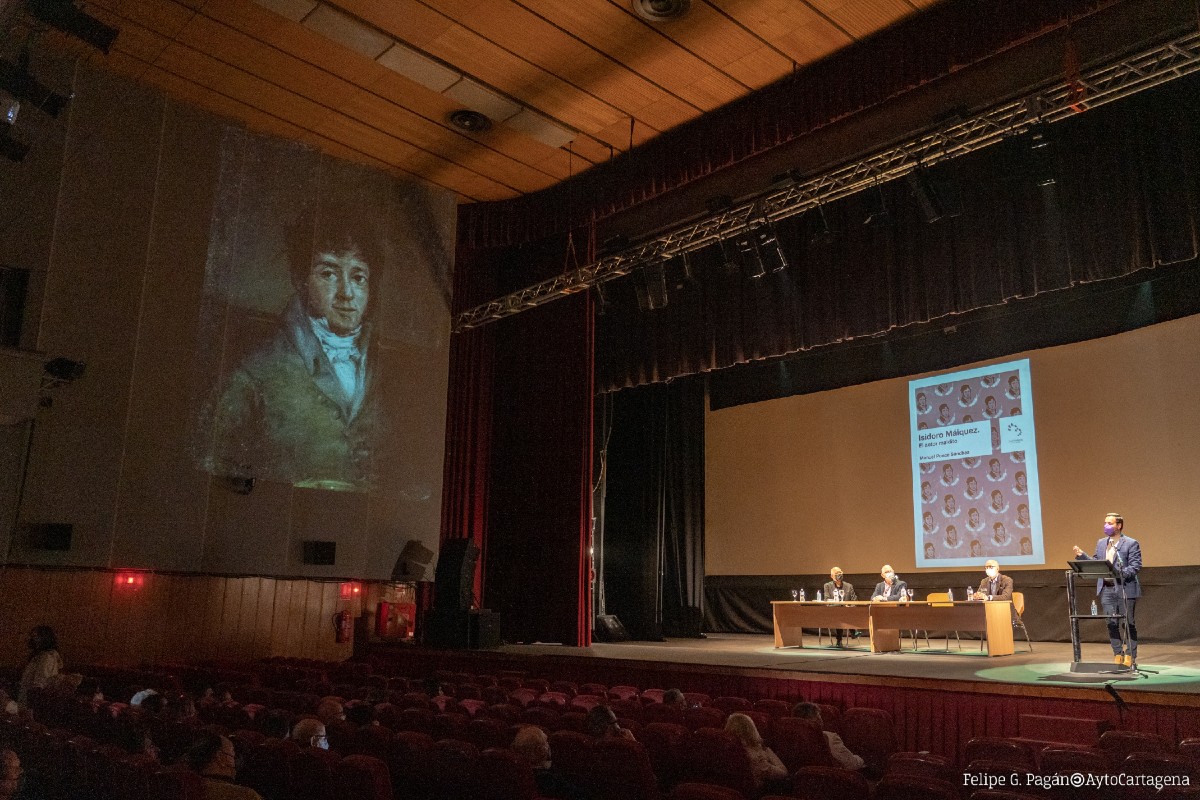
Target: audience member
(310, 732)
(213, 757)
(765, 765)
(43, 664)
(134, 738)
(602, 724)
(841, 753)
(360, 713)
(10, 775)
(330, 709)
(532, 745)
(276, 723)
(674, 697)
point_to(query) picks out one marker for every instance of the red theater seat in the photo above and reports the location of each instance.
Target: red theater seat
(800, 743)
(311, 775)
(731, 705)
(406, 762)
(1005, 751)
(711, 755)
(704, 791)
(503, 775)
(774, 708)
(1122, 743)
(363, 778)
(704, 717)
(911, 787)
(823, 783)
(176, 782)
(870, 734)
(621, 770)
(661, 740)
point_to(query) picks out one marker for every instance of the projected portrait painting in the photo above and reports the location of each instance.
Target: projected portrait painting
(323, 329)
(986, 494)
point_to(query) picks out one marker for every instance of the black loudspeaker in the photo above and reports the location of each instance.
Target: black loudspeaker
(462, 630)
(413, 561)
(454, 579)
(320, 553)
(609, 629)
(49, 535)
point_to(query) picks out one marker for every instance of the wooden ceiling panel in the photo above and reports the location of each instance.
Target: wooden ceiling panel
(795, 28)
(590, 65)
(861, 18)
(624, 38)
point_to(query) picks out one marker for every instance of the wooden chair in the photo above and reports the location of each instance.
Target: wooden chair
(1018, 604)
(943, 599)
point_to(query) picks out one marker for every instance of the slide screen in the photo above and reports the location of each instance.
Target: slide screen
(974, 467)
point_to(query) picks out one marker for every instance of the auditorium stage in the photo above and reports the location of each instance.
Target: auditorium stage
(1171, 669)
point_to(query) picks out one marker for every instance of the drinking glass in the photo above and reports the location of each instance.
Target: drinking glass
(795, 593)
(910, 594)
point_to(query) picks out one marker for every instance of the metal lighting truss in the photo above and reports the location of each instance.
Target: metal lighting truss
(1096, 87)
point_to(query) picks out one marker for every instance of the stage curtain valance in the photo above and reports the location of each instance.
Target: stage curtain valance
(916, 52)
(1116, 191)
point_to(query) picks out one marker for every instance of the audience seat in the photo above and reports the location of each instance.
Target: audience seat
(622, 692)
(489, 733)
(503, 775)
(732, 705)
(311, 775)
(774, 708)
(176, 782)
(1122, 743)
(452, 769)
(661, 740)
(657, 712)
(823, 783)
(1005, 751)
(703, 717)
(371, 740)
(621, 770)
(926, 765)
(711, 755)
(1073, 759)
(571, 753)
(704, 791)
(870, 734)
(406, 761)
(800, 743)
(912, 787)
(362, 777)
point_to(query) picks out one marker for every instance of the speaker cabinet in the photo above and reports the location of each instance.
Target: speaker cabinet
(454, 578)
(477, 629)
(319, 553)
(609, 629)
(413, 561)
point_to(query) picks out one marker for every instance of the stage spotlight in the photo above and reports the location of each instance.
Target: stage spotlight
(651, 287)
(928, 198)
(823, 234)
(752, 263)
(729, 257)
(10, 148)
(1041, 156)
(64, 369)
(877, 210)
(16, 81)
(769, 249)
(66, 17)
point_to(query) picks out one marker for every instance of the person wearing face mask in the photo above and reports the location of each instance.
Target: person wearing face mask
(891, 587)
(1125, 555)
(994, 586)
(847, 594)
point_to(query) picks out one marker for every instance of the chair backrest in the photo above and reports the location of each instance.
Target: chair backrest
(731, 705)
(820, 783)
(704, 717)
(703, 791)
(662, 742)
(1074, 759)
(311, 774)
(870, 734)
(503, 775)
(937, 597)
(1161, 764)
(1122, 743)
(912, 787)
(923, 765)
(711, 755)
(1018, 602)
(800, 743)
(996, 749)
(622, 771)
(363, 778)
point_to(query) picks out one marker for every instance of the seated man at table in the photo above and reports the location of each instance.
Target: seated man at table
(890, 588)
(994, 585)
(847, 594)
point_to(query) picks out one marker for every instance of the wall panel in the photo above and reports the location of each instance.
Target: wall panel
(171, 617)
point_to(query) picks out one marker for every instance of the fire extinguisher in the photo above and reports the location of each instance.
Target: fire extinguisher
(343, 626)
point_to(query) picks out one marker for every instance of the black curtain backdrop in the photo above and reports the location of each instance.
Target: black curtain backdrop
(652, 538)
(1124, 198)
(519, 449)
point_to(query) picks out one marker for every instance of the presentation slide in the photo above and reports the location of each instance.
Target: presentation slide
(974, 467)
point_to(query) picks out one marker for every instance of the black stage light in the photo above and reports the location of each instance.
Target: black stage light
(877, 210)
(1041, 155)
(823, 234)
(10, 148)
(651, 287)
(16, 81)
(752, 263)
(63, 15)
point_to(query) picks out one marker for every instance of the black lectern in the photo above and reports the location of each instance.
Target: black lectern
(1093, 570)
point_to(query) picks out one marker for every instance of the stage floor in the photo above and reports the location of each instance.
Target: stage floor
(1164, 668)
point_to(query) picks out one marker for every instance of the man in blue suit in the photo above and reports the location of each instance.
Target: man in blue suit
(1125, 554)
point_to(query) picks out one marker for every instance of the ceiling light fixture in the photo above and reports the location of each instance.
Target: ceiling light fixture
(661, 10)
(470, 121)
